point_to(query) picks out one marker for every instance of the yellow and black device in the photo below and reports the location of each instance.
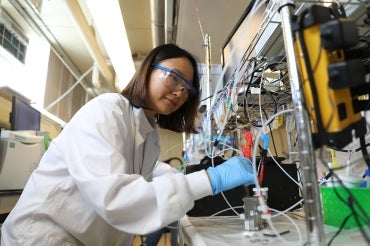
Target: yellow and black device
(331, 83)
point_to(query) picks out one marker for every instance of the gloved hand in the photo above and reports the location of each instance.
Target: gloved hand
(230, 174)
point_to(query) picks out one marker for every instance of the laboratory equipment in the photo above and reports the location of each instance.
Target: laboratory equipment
(251, 215)
(333, 78)
(24, 116)
(335, 203)
(20, 154)
(253, 220)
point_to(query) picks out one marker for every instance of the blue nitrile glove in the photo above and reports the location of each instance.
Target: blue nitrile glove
(230, 174)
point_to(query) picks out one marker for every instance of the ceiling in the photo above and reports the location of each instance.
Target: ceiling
(88, 32)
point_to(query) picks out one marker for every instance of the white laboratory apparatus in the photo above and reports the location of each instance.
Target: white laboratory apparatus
(20, 153)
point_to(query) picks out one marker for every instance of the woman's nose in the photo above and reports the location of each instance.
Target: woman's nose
(179, 92)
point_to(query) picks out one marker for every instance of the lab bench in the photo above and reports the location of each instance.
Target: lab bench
(220, 230)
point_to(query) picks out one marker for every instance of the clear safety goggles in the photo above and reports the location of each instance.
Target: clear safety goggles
(175, 81)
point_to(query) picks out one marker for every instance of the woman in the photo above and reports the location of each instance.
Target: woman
(94, 184)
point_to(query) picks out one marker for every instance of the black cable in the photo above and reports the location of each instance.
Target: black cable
(340, 228)
(299, 173)
(168, 161)
(364, 151)
(309, 72)
(356, 217)
(266, 116)
(211, 95)
(248, 86)
(272, 135)
(351, 201)
(350, 196)
(362, 229)
(356, 150)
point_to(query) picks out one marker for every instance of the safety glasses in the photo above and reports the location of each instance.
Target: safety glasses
(175, 81)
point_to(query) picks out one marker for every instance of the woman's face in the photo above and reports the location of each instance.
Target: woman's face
(169, 86)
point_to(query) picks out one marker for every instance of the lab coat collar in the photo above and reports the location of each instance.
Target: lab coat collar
(142, 124)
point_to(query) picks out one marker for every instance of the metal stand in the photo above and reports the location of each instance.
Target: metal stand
(312, 205)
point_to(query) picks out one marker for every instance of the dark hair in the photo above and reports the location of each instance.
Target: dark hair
(182, 120)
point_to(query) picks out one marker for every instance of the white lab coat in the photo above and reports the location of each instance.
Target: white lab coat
(94, 184)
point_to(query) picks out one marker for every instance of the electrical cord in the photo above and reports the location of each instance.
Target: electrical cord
(272, 136)
(364, 234)
(234, 80)
(227, 209)
(258, 188)
(309, 73)
(350, 202)
(212, 154)
(283, 170)
(286, 210)
(300, 238)
(365, 154)
(340, 228)
(222, 193)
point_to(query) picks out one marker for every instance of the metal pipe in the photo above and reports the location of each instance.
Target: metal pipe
(207, 44)
(88, 37)
(169, 22)
(157, 20)
(312, 205)
(38, 25)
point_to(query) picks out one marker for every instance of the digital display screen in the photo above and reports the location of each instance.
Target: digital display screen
(24, 116)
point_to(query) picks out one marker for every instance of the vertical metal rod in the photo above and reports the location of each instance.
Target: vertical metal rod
(289, 128)
(312, 205)
(207, 44)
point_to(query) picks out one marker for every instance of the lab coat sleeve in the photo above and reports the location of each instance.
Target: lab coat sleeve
(175, 199)
(98, 160)
(162, 168)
